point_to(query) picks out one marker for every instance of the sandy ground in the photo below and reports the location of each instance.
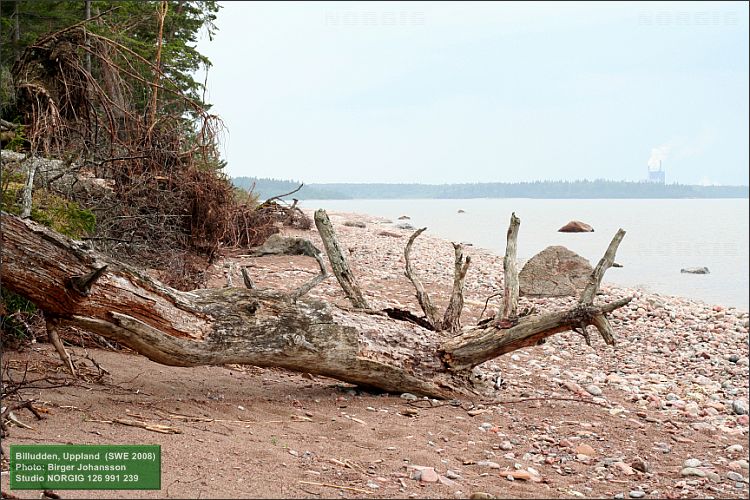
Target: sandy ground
(581, 419)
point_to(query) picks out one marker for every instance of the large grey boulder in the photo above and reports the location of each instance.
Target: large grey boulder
(554, 272)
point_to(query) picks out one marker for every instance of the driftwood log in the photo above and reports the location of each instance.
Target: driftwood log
(75, 285)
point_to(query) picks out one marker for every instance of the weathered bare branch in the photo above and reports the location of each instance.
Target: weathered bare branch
(301, 291)
(278, 197)
(339, 263)
(430, 311)
(588, 294)
(52, 326)
(510, 270)
(477, 345)
(602, 324)
(452, 316)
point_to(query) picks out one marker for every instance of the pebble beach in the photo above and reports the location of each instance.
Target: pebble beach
(678, 362)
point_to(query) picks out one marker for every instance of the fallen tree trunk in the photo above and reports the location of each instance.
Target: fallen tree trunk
(77, 286)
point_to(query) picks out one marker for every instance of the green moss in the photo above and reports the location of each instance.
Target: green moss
(56, 212)
(64, 216)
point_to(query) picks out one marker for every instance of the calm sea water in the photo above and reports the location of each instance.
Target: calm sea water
(662, 237)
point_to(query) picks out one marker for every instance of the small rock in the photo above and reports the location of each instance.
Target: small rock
(692, 408)
(733, 358)
(692, 462)
(506, 446)
(624, 468)
(734, 476)
(637, 494)
(738, 464)
(426, 474)
(739, 407)
(372, 485)
(445, 481)
(692, 471)
(640, 464)
(355, 224)
(584, 449)
(481, 495)
(409, 396)
(713, 476)
(735, 448)
(523, 475)
(487, 463)
(451, 474)
(619, 496)
(695, 270)
(594, 390)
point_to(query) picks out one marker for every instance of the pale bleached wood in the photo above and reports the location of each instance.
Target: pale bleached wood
(54, 338)
(339, 264)
(425, 302)
(510, 271)
(452, 317)
(258, 327)
(595, 281)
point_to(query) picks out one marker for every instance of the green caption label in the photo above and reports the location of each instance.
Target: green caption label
(85, 467)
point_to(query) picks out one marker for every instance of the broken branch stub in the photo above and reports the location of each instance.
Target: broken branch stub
(339, 264)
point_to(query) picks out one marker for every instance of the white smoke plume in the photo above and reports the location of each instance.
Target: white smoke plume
(658, 154)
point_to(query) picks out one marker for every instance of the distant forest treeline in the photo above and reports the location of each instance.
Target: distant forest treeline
(266, 188)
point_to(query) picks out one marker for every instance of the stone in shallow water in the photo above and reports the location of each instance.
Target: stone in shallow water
(576, 226)
(695, 270)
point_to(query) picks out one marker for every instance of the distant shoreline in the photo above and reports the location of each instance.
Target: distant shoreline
(583, 189)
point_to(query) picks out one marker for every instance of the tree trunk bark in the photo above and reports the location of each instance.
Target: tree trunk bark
(75, 285)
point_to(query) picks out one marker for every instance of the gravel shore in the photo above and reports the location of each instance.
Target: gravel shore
(679, 362)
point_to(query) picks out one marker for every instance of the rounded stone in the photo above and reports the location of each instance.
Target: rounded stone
(692, 462)
(637, 494)
(734, 476)
(594, 390)
(692, 471)
(739, 407)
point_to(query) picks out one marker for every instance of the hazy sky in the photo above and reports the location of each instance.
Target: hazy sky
(482, 92)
